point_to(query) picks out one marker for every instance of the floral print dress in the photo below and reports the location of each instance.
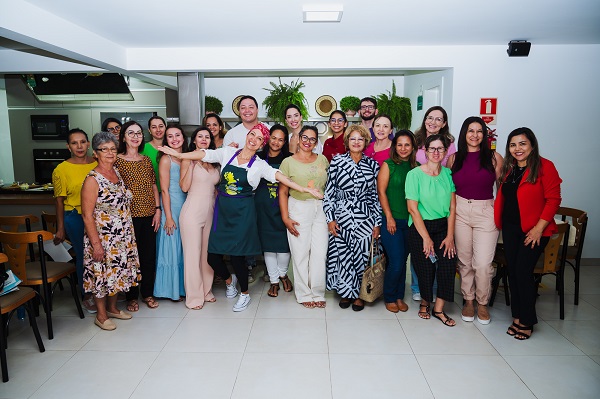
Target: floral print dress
(119, 270)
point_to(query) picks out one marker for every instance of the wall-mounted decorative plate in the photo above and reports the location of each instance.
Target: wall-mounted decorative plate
(325, 105)
(234, 104)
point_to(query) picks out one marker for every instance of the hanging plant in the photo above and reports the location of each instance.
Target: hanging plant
(350, 104)
(213, 104)
(398, 108)
(282, 95)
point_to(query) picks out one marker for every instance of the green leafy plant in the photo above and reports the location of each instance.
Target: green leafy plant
(282, 95)
(349, 103)
(397, 108)
(213, 104)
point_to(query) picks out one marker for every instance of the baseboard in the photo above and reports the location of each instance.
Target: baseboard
(590, 262)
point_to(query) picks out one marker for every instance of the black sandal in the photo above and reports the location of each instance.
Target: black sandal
(521, 336)
(287, 284)
(273, 291)
(422, 314)
(448, 318)
(513, 330)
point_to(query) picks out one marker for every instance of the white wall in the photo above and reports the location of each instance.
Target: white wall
(227, 89)
(413, 85)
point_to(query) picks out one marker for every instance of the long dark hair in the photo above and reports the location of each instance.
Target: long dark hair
(192, 146)
(421, 132)
(534, 160)
(222, 130)
(486, 155)
(122, 144)
(412, 159)
(184, 147)
(104, 127)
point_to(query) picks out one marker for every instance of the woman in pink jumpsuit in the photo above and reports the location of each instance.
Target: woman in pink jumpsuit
(198, 179)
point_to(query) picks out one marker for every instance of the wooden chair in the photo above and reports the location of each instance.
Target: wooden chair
(8, 304)
(551, 263)
(501, 274)
(39, 274)
(16, 223)
(579, 220)
(49, 222)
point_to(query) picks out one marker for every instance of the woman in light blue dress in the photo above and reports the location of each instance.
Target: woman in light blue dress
(169, 263)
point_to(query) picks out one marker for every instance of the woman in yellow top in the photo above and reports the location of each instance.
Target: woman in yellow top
(67, 179)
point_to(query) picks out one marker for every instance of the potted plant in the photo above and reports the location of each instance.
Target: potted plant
(350, 105)
(397, 108)
(213, 104)
(281, 95)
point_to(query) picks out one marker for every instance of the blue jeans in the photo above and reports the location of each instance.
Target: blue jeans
(74, 229)
(396, 250)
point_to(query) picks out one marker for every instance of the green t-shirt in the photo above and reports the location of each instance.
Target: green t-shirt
(395, 189)
(306, 174)
(432, 193)
(152, 153)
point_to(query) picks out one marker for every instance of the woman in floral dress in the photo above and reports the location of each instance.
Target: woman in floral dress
(111, 262)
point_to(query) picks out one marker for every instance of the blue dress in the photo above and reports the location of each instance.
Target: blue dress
(169, 263)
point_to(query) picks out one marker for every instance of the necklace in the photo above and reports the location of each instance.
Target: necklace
(243, 157)
(516, 178)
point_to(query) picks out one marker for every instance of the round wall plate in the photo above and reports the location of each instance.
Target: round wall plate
(234, 104)
(325, 105)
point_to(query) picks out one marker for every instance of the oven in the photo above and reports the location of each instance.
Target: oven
(44, 162)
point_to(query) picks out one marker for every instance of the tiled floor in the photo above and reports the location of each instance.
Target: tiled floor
(278, 349)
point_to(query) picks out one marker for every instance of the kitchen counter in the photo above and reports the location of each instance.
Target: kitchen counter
(28, 197)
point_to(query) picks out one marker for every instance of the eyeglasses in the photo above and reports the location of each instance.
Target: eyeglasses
(436, 149)
(306, 139)
(135, 134)
(437, 119)
(340, 120)
(107, 150)
(114, 129)
(369, 107)
(359, 139)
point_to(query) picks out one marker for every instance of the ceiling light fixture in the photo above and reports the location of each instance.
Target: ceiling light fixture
(322, 12)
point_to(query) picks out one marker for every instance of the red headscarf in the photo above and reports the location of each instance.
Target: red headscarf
(264, 130)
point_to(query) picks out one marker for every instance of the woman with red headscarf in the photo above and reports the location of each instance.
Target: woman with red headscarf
(235, 231)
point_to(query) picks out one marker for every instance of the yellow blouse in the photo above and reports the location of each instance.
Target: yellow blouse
(67, 180)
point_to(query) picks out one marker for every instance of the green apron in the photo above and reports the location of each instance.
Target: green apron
(271, 230)
(234, 230)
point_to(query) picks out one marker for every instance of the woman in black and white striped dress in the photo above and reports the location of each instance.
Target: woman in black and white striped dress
(353, 214)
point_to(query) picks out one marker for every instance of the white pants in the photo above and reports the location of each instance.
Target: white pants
(309, 249)
(277, 265)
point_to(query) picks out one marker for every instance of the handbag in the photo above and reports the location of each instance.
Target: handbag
(371, 287)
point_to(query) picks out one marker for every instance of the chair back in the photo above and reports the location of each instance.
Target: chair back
(549, 263)
(49, 222)
(3, 258)
(579, 220)
(15, 248)
(12, 223)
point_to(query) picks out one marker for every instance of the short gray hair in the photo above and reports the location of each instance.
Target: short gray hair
(103, 137)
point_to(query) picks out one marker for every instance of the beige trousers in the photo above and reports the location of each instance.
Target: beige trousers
(475, 236)
(309, 249)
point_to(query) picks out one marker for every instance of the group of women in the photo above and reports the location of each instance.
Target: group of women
(321, 210)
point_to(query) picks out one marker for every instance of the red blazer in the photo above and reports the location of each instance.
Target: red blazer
(536, 201)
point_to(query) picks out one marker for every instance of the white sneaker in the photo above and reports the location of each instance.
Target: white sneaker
(416, 296)
(230, 290)
(242, 303)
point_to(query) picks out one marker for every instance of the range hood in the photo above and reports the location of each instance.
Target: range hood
(78, 87)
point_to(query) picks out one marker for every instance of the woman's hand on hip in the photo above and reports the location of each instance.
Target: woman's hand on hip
(291, 224)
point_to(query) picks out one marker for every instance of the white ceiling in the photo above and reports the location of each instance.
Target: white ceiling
(150, 36)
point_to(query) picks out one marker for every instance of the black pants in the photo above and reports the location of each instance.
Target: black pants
(444, 269)
(145, 238)
(521, 261)
(239, 266)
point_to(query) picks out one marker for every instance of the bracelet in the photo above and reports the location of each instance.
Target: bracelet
(159, 208)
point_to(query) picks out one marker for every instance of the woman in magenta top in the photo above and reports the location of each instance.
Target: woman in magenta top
(379, 149)
(475, 169)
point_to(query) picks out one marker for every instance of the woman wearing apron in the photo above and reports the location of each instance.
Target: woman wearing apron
(235, 231)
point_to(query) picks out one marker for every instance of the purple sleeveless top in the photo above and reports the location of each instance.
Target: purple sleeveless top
(472, 182)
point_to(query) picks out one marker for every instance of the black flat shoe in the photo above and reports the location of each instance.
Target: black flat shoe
(358, 308)
(345, 303)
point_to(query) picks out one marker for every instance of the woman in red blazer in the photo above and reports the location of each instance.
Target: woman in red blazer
(527, 200)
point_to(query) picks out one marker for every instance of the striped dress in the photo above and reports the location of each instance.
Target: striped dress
(351, 200)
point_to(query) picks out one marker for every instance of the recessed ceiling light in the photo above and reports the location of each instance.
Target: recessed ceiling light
(322, 12)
